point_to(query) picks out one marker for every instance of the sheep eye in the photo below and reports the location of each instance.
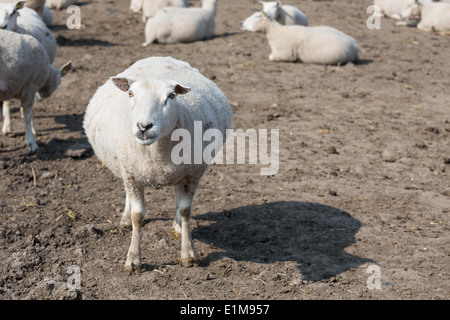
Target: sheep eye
(130, 94)
(171, 96)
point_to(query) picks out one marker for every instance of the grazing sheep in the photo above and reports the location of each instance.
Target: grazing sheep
(319, 45)
(151, 7)
(129, 123)
(25, 70)
(172, 25)
(60, 4)
(27, 21)
(284, 14)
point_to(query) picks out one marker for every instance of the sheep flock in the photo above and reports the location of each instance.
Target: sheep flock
(147, 95)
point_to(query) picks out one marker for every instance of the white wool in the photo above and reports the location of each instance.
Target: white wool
(114, 122)
(319, 45)
(397, 9)
(151, 7)
(25, 70)
(136, 5)
(60, 4)
(284, 14)
(172, 25)
(435, 17)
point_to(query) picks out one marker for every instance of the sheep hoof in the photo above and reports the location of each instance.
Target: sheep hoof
(132, 269)
(188, 263)
(125, 223)
(176, 232)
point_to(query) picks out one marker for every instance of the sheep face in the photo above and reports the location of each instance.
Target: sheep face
(53, 80)
(152, 107)
(411, 10)
(255, 23)
(9, 13)
(271, 8)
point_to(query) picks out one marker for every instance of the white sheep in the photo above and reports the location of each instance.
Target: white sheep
(319, 45)
(396, 9)
(60, 4)
(136, 5)
(284, 14)
(435, 17)
(25, 70)
(151, 7)
(129, 123)
(26, 21)
(36, 5)
(172, 25)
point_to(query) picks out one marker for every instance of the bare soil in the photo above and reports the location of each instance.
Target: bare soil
(363, 178)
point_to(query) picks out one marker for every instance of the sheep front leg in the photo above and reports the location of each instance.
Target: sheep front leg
(184, 194)
(135, 196)
(27, 101)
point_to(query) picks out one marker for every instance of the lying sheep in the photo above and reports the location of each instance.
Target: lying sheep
(172, 25)
(284, 14)
(435, 17)
(151, 7)
(25, 70)
(319, 45)
(395, 9)
(60, 4)
(129, 123)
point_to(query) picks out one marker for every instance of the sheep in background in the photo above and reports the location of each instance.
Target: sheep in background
(38, 6)
(320, 45)
(136, 5)
(60, 4)
(284, 14)
(151, 7)
(27, 21)
(173, 25)
(435, 17)
(25, 70)
(395, 9)
(129, 123)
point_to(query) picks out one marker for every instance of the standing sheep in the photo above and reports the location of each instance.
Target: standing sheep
(25, 70)
(319, 45)
(151, 7)
(129, 123)
(36, 5)
(172, 25)
(284, 14)
(27, 21)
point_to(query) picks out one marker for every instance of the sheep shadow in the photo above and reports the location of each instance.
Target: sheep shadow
(311, 234)
(66, 42)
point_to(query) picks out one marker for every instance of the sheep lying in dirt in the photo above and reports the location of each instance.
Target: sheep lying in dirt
(25, 70)
(284, 14)
(395, 9)
(151, 7)
(433, 16)
(172, 25)
(60, 4)
(320, 45)
(129, 123)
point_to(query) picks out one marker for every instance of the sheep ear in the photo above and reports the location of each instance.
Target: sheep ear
(181, 90)
(123, 84)
(278, 4)
(66, 68)
(20, 4)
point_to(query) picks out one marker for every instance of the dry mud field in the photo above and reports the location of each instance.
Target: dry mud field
(359, 208)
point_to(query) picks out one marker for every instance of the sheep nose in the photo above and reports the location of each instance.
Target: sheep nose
(144, 127)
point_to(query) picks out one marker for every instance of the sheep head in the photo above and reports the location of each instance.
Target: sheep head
(53, 80)
(153, 108)
(9, 13)
(257, 22)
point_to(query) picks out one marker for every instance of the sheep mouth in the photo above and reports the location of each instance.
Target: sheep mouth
(147, 140)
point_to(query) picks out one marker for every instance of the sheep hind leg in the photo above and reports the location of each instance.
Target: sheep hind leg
(184, 194)
(6, 110)
(27, 101)
(125, 222)
(135, 196)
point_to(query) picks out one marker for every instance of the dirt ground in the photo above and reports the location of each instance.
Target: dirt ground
(359, 208)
